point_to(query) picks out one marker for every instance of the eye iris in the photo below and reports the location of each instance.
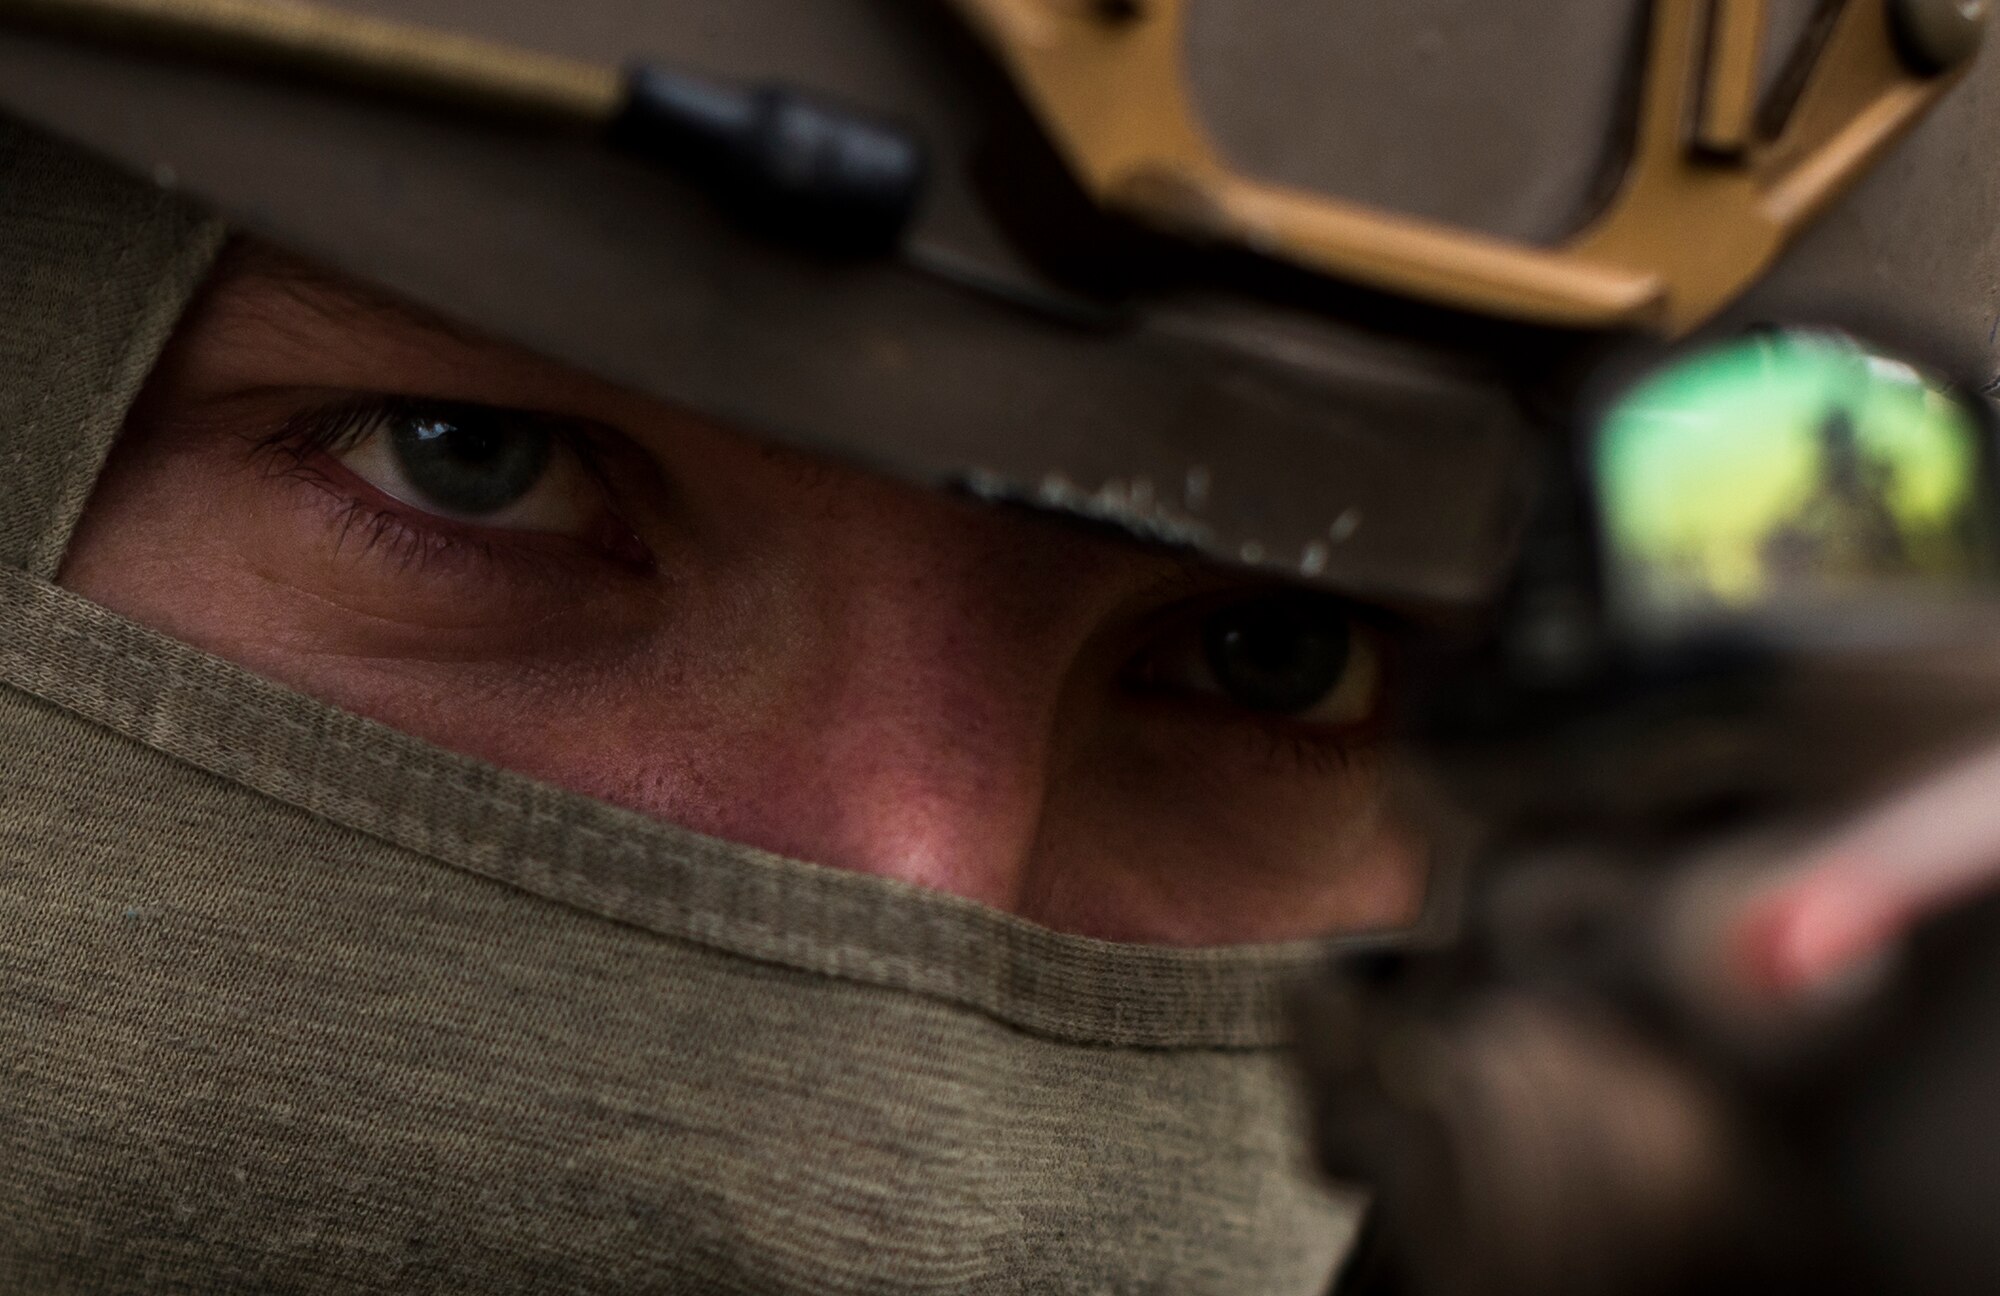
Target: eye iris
(472, 464)
(1281, 654)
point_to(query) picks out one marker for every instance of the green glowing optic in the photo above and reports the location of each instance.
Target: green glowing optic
(1786, 469)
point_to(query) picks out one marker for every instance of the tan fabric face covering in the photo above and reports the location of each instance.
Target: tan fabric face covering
(290, 1002)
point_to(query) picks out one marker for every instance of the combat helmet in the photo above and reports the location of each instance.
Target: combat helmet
(1266, 280)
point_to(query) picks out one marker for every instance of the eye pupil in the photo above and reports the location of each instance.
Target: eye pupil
(471, 462)
(1280, 653)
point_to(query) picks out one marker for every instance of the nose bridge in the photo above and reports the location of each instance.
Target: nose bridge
(952, 638)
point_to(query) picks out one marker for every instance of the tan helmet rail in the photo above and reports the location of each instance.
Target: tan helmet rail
(1704, 206)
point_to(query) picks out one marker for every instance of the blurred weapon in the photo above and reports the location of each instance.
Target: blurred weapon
(1650, 1057)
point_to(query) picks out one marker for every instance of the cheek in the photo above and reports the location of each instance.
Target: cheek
(1205, 834)
(162, 538)
(192, 537)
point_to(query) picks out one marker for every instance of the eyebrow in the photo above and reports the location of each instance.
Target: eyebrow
(338, 299)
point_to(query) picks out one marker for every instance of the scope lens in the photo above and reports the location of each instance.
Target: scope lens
(1785, 475)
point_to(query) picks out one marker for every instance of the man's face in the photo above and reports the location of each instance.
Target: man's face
(512, 560)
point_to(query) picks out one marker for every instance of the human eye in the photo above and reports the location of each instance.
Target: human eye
(424, 479)
(1297, 656)
(504, 469)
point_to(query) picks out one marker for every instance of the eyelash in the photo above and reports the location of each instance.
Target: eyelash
(413, 540)
(1281, 746)
(1313, 753)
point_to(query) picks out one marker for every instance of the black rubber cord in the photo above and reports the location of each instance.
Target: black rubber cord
(785, 164)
